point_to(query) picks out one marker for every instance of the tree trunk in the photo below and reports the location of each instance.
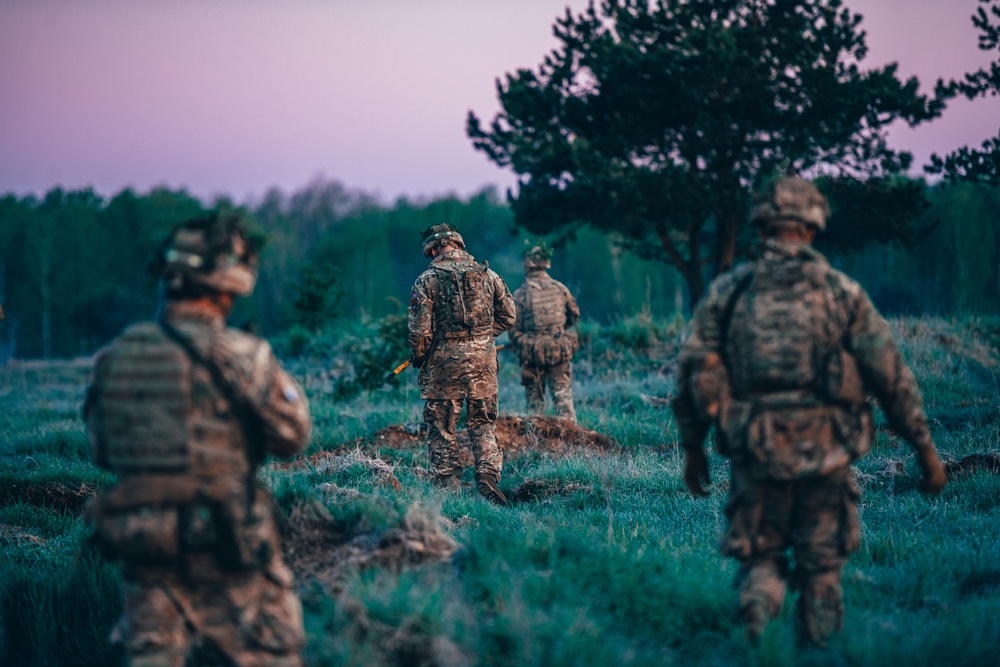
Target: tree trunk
(725, 248)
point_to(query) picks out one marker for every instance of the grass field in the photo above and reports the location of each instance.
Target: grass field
(604, 559)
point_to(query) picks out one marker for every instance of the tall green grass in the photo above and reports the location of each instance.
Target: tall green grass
(616, 565)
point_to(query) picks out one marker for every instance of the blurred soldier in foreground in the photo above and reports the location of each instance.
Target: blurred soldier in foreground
(542, 337)
(457, 308)
(184, 410)
(782, 355)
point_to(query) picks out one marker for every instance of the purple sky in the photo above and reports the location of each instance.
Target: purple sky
(228, 96)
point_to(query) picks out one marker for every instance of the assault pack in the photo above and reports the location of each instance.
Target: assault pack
(465, 306)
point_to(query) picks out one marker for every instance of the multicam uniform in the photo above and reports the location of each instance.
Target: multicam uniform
(185, 424)
(782, 354)
(457, 308)
(544, 342)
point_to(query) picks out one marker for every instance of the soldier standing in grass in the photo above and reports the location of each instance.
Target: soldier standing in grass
(782, 355)
(543, 338)
(184, 410)
(457, 308)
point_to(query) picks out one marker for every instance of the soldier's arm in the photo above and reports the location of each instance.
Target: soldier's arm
(885, 373)
(421, 314)
(91, 415)
(572, 309)
(279, 404)
(516, 331)
(504, 311)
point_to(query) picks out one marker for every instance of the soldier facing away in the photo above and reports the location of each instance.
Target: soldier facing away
(782, 355)
(457, 308)
(184, 410)
(543, 338)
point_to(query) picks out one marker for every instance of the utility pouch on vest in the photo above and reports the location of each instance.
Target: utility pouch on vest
(733, 429)
(245, 534)
(795, 442)
(855, 429)
(143, 535)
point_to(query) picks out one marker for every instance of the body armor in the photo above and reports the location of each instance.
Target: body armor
(465, 306)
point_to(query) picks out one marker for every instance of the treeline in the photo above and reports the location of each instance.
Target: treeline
(73, 264)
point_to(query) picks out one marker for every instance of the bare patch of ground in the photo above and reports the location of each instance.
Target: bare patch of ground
(537, 489)
(18, 535)
(330, 462)
(517, 435)
(973, 463)
(55, 495)
(316, 550)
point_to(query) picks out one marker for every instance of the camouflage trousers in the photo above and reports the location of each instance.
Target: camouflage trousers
(210, 617)
(442, 416)
(559, 380)
(816, 519)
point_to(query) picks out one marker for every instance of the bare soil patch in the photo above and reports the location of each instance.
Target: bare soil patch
(537, 489)
(55, 495)
(973, 463)
(316, 550)
(517, 435)
(18, 535)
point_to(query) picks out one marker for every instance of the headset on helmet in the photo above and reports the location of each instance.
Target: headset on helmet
(538, 256)
(437, 235)
(790, 199)
(214, 252)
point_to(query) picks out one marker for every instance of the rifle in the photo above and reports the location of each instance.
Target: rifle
(406, 364)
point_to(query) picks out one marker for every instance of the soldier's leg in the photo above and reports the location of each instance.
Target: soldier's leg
(757, 536)
(761, 585)
(533, 380)
(481, 424)
(825, 532)
(560, 379)
(255, 620)
(156, 635)
(442, 416)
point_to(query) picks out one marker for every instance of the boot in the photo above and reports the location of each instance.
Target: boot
(487, 487)
(448, 482)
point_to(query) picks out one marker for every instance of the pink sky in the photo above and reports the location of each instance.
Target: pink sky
(234, 96)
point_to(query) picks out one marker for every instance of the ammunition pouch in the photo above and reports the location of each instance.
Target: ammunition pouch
(788, 435)
(547, 349)
(143, 529)
(146, 535)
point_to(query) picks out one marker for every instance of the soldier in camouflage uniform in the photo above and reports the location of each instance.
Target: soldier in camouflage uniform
(542, 338)
(457, 308)
(782, 355)
(184, 410)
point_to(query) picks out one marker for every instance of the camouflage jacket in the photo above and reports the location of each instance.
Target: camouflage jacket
(458, 359)
(147, 389)
(545, 311)
(857, 351)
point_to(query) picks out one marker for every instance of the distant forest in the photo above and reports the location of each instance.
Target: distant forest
(73, 264)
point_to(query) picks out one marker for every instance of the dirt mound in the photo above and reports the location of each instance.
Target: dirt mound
(537, 489)
(340, 461)
(516, 435)
(19, 536)
(55, 495)
(973, 463)
(316, 550)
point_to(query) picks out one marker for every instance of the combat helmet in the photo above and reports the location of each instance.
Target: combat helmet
(436, 235)
(215, 253)
(538, 256)
(790, 199)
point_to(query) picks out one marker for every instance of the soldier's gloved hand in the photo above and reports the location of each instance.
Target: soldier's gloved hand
(934, 475)
(696, 471)
(418, 362)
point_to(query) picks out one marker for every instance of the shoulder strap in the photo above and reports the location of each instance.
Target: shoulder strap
(243, 412)
(727, 316)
